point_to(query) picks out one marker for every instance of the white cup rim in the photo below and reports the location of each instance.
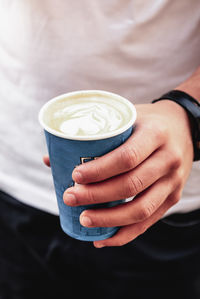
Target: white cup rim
(88, 137)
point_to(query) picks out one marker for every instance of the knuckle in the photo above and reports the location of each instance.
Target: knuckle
(92, 170)
(90, 196)
(174, 198)
(133, 186)
(176, 160)
(129, 157)
(102, 220)
(97, 170)
(161, 131)
(177, 179)
(89, 171)
(144, 213)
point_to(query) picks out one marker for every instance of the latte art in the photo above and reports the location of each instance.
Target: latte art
(88, 115)
(88, 119)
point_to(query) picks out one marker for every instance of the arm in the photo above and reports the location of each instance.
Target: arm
(192, 85)
(153, 165)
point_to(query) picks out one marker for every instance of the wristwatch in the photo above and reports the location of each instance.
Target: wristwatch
(192, 107)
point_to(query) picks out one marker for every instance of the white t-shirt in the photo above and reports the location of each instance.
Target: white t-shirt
(138, 49)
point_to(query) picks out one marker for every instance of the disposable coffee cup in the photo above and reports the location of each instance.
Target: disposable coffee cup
(69, 146)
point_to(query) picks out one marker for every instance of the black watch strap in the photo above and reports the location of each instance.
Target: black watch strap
(192, 107)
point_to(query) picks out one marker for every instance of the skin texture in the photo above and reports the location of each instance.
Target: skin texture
(152, 166)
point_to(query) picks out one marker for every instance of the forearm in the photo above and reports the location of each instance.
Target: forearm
(191, 112)
(192, 85)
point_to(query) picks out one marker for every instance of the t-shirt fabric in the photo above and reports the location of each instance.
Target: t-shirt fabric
(138, 49)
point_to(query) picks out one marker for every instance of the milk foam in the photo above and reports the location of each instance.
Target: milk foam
(87, 115)
(89, 118)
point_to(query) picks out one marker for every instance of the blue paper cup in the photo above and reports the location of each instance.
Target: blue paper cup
(66, 152)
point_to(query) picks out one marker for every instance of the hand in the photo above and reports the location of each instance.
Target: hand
(152, 166)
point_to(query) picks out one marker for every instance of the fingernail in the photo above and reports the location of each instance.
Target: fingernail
(70, 199)
(77, 176)
(85, 221)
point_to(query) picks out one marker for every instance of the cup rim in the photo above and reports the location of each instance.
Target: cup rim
(88, 137)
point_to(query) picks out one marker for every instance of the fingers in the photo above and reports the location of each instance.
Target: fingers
(128, 233)
(135, 211)
(46, 160)
(122, 186)
(136, 149)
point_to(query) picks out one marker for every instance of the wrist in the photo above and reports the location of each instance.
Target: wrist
(191, 86)
(192, 109)
(177, 111)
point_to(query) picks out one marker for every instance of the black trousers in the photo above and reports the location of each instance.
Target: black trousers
(38, 260)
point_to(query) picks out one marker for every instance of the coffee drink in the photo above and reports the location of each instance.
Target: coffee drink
(89, 115)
